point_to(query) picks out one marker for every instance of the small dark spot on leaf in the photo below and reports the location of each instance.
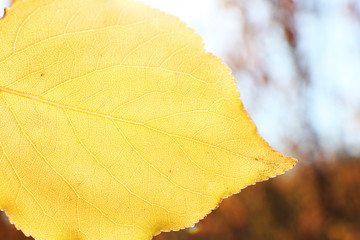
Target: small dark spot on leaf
(42, 74)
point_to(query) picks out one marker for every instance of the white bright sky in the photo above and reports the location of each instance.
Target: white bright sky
(329, 43)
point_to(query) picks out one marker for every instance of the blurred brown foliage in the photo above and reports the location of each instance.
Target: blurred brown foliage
(312, 201)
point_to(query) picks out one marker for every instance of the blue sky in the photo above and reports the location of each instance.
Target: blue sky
(329, 46)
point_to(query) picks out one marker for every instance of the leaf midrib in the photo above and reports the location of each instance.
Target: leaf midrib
(25, 95)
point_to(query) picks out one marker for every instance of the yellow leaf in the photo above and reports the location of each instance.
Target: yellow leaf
(116, 124)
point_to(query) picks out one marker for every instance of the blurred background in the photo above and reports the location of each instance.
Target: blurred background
(297, 65)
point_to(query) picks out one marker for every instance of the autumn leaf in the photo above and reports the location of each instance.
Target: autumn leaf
(116, 124)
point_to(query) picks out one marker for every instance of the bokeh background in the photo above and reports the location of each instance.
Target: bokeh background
(297, 65)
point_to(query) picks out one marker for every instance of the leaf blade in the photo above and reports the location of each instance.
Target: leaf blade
(151, 116)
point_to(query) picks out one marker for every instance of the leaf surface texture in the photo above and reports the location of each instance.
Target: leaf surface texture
(116, 124)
